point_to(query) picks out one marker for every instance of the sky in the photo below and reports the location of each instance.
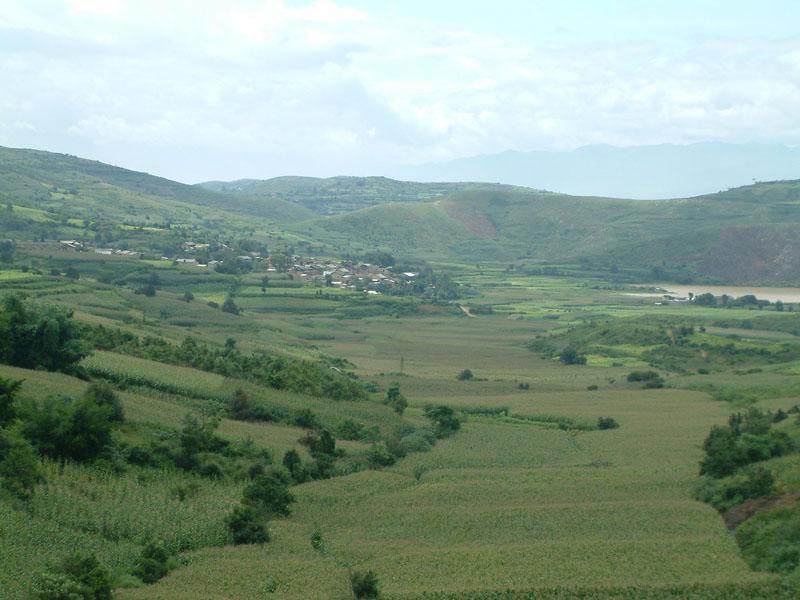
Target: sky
(196, 90)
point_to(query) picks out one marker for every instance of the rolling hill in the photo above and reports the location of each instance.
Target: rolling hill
(745, 235)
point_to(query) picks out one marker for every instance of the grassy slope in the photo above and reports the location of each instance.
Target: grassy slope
(62, 184)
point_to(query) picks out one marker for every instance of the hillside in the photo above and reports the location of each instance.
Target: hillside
(745, 235)
(68, 187)
(336, 195)
(644, 172)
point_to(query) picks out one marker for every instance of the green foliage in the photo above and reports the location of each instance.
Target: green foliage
(274, 370)
(749, 483)
(270, 493)
(19, 464)
(746, 439)
(570, 356)
(38, 337)
(152, 563)
(8, 391)
(444, 419)
(246, 526)
(464, 375)
(64, 428)
(650, 379)
(607, 423)
(103, 394)
(364, 584)
(770, 541)
(229, 306)
(79, 577)
(395, 399)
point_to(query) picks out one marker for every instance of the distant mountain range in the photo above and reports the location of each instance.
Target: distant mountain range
(640, 172)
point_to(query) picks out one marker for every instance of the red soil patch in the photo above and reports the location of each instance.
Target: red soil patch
(739, 514)
(472, 219)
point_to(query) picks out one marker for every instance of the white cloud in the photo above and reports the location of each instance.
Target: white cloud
(320, 87)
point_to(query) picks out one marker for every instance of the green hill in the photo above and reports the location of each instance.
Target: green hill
(746, 235)
(337, 195)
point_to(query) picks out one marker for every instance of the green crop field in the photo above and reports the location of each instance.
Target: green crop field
(526, 424)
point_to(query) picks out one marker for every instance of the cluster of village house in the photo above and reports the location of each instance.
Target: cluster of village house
(346, 275)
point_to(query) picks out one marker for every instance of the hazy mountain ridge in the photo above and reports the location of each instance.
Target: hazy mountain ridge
(641, 172)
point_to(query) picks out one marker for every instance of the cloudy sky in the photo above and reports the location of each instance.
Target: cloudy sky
(196, 90)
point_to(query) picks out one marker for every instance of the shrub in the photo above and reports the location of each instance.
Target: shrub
(379, 456)
(103, 394)
(364, 585)
(465, 375)
(61, 427)
(19, 464)
(270, 493)
(443, 418)
(8, 392)
(79, 577)
(229, 306)
(34, 337)
(152, 563)
(395, 399)
(246, 526)
(607, 423)
(570, 356)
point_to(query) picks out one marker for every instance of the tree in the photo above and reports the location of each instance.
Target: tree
(364, 585)
(229, 306)
(79, 577)
(464, 375)
(443, 418)
(246, 526)
(152, 563)
(103, 394)
(270, 493)
(570, 356)
(188, 296)
(294, 464)
(395, 399)
(38, 337)
(72, 273)
(7, 248)
(8, 391)
(19, 464)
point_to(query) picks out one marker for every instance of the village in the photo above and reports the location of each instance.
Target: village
(316, 272)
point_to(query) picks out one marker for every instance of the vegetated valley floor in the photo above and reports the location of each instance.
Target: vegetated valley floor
(504, 504)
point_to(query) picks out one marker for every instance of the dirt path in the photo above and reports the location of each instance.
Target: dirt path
(466, 311)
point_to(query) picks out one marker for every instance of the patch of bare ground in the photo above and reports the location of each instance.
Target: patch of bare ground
(744, 511)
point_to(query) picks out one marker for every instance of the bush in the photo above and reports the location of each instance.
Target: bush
(650, 379)
(444, 420)
(753, 482)
(246, 526)
(770, 541)
(379, 456)
(270, 493)
(8, 392)
(34, 337)
(79, 577)
(364, 585)
(103, 394)
(465, 375)
(152, 563)
(570, 356)
(61, 427)
(607, 423)
(395, 399)
(229, 306)
(19, 464)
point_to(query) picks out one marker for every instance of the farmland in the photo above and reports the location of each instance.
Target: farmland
(179, 401)
(528, 497)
